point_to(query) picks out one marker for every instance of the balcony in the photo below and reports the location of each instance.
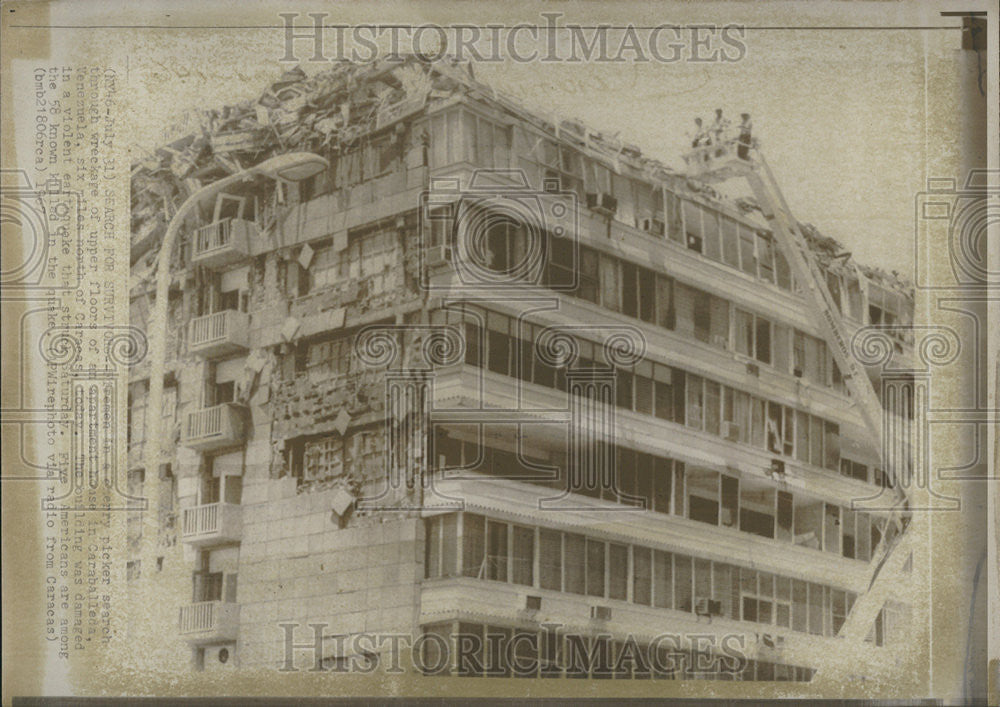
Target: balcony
(215, 428)
(218, 334)
(222, 243)
(209, 622)
(212, 524)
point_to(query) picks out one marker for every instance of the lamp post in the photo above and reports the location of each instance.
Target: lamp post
(290, 167)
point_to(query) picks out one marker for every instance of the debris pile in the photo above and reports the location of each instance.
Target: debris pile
(334, 112)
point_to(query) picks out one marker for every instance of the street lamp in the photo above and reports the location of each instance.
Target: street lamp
(289, 167)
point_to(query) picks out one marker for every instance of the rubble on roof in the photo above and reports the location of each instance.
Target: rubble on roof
(334, 109)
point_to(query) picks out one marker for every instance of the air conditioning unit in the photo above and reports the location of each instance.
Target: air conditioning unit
(708, 607)
(654, 226)
(731, 431)
(437, 255)
(601, 613)
(220, 657)
(797, 372)
(777, 469)
(753, 369)
(532, 602)
(602, 203)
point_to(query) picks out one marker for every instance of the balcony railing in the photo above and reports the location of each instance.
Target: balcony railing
(221, 242)
(212, 524)
(214, 427)
(209, 621)
(219, 334)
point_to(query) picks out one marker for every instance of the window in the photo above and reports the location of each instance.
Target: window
(831, 446)
(785, 516)
(574, 563)
(663, 590)
(748, 256)
(498, 344)
(695, 401)
(617, 571)
(744, 339)
(702, 315)
(703, 495)
(330, 358)
(642, 575)
(589, 286)
(595, 568)
(561, 264)
(763, 340)
(765, 253)
(757, 511)
(523, 556)
(684, 576)
(730, 242)
(496, 550)
(550, 559)
(440, 551)
(323, 458)
(473, 545)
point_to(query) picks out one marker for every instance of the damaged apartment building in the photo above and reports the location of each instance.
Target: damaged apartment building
(360, 430)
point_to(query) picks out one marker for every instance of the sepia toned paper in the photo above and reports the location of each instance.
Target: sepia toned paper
(366, 350)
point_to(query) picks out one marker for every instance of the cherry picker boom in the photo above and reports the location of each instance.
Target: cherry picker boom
(720, 162)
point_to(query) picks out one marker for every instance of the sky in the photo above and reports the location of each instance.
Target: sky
(840, 114)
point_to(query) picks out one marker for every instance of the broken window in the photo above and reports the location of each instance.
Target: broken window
(446, 139)
(730, 501)
(692, 225)
(748, 255)
(703, 495)
(765, 256)
(783, 272)
(809, 524)
(330, 358)
(623, 190)
(799, 354)
(673, 215)
(757, 511)
(695, 401)
(785, 516)
(323, 458)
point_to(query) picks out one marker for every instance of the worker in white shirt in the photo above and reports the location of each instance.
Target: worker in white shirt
(719, 129)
